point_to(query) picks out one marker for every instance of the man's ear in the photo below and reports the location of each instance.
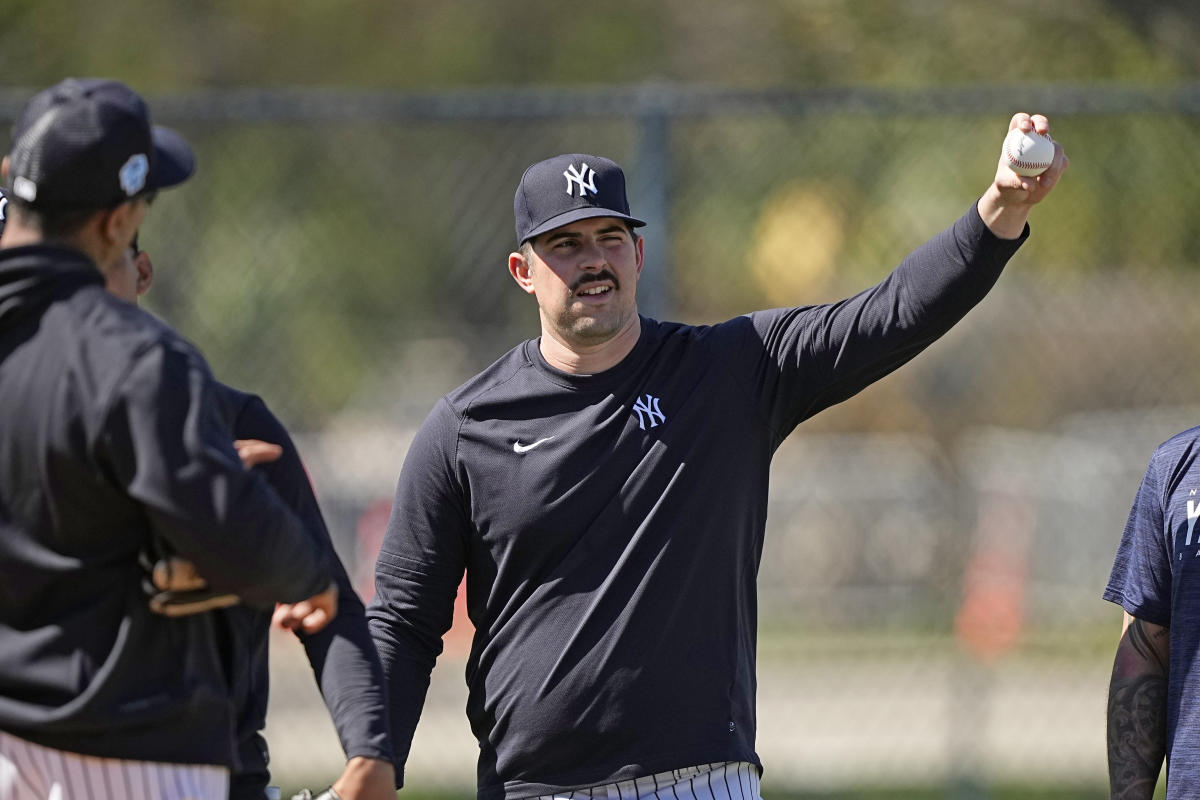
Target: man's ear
(4, 167)
(518, 267)
(145, 271)
(119, 223)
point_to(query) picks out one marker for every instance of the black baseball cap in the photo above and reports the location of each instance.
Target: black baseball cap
(567, 188)
(3, 210)
(88, 144)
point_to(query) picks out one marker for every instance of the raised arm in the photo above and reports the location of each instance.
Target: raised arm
(1137, 710)
(808, 358)
(1005, 205)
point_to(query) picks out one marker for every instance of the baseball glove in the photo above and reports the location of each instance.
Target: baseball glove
(172, 583)
(177, 590)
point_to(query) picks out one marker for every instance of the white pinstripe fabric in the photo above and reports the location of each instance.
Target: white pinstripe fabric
(730, 780)
(31, 772)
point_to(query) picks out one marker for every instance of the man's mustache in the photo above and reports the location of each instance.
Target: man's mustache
(599, 277)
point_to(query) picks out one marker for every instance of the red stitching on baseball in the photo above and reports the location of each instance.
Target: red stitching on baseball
(1018, 162)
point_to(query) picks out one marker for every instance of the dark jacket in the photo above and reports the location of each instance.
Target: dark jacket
(111, 431)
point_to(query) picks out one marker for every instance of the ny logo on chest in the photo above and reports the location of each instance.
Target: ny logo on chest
(1193, 513)
(648, 412)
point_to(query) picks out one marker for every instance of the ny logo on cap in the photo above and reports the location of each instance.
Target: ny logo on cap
(574, 176)
(133, 175)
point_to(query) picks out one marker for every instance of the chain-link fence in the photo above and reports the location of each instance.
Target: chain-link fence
(936, 547)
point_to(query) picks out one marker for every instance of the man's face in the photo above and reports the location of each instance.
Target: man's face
(584, 276)
(131, 275)
(121, 277)
(116, 232)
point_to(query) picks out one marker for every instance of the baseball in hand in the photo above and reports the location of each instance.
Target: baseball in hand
(1027, 153)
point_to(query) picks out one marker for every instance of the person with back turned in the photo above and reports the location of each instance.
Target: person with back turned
(111, 435)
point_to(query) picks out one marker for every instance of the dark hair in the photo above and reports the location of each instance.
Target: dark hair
(51, 224)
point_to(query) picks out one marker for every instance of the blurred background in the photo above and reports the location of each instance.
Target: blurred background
(342, 248)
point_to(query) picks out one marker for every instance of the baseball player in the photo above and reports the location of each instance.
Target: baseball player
(1154, 695)
(342, 655)
(111, 434)
(604, 487)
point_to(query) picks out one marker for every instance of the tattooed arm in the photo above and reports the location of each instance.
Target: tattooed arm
(1137, 710)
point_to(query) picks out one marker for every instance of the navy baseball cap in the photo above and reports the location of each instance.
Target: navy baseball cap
(567, 188)
(88, 144)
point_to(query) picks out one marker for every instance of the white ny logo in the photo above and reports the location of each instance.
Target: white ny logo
(1193, 513)
(649, 408)
(578, 175)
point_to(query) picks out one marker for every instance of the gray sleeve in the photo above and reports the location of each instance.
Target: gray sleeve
(1141, 579)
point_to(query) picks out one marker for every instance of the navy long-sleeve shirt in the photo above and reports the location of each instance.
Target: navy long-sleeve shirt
(611, 526)
(342, 654)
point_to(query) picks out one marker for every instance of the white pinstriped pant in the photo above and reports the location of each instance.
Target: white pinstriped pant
(729, 780)
(31, 772)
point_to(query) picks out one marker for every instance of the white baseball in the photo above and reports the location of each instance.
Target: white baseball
(1027, 153)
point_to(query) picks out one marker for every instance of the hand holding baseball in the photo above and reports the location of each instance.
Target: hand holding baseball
(1027, 171)
(1005, 206)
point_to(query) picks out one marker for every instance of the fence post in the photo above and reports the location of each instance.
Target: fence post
(650, 192)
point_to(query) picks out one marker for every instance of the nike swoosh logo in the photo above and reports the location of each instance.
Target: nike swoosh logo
(525, 448)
